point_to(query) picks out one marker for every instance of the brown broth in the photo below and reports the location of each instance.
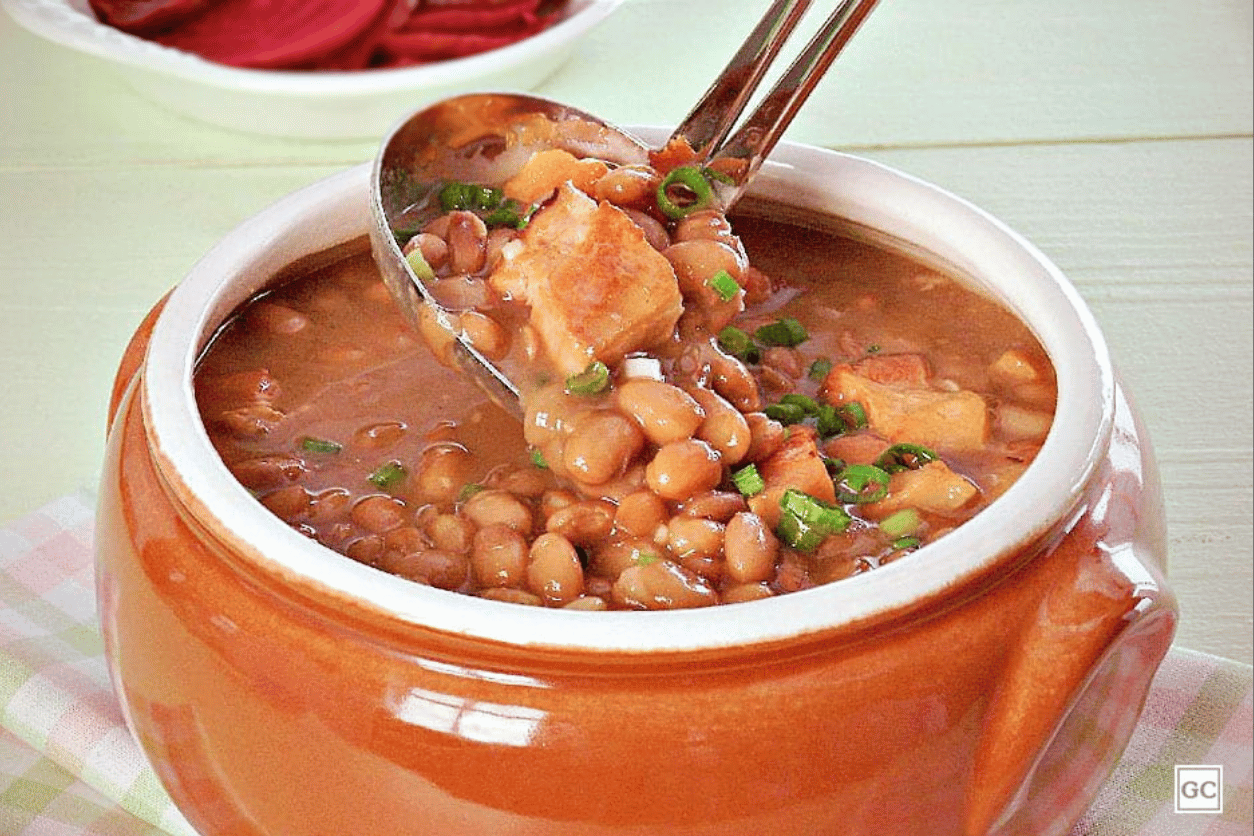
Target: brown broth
(326, 357)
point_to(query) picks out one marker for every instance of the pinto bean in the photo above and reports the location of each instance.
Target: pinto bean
(696, 261)
(553, 571)
(288, 503)
(661, 585)
(640, 513)
(450, 533)
(724, 426)
(429, 566)
(485, 334)
(442, 472)
(740, 593)
(498, 556)
(719, 506)
(766, 435)
(663, 411)
(265, 472)
(433, 248)
(694, 537)
(627, 184)
(378, 513)
(750, 548)
(601, 446)
(467, 240)
(652, 228)
(490, 507)
(509, 595)
(684, 468)
(278, 319)
(583, 522)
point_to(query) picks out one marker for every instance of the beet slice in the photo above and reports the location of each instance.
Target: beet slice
(361, 53)
(423, 47)
(274, 34)
(147, 17)
(471, 17)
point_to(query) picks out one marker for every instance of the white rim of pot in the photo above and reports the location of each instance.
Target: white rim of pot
(335, 210)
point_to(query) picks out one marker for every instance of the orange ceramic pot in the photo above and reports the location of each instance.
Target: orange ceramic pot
(984, 685)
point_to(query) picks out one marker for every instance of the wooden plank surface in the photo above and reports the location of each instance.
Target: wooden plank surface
(1116, 136)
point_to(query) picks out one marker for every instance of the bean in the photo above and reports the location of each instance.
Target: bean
(485, 334)
(694, 537)
(429, 566)
(652, 228)
(278, 319)
(404, 540)
(265, 472)
(661, 585)
(664, 412)
(740, 593)
(750, 548)
(707, 225)
(490, 507)
(497, 240)
(461, 291)
(498, 556)
(509, 595)
(786, 361)
(724, 426)
(640, 513)
(684, 468)
(766, 436)
(288, 503)
(590, 603)
(433, 248)
(467, 239)
(696, 261)
(366, 549)
(554, 572)
(255, 420)
(328, 505)
(600, 447)
(552, 501)
(584, 522)
(443, 470)
(527, 481)
(379, 435)
(378, 513)
(450, 533)
(613, 557)
(627, 184)
(719, 506)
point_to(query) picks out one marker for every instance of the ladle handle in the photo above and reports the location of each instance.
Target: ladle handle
(711, 119)
(744, 152)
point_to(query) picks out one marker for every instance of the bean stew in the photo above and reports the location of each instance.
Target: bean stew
(716, 410)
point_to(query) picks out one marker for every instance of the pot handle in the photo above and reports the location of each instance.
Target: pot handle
(133, 358)
(1079, 670)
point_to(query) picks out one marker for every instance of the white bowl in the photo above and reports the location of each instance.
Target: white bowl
(314, 105)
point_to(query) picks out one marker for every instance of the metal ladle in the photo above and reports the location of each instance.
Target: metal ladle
(485, 138)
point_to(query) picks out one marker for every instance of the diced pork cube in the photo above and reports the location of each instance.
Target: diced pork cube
(945, 421)
(597, 289)
(933, 488)
(796, 464)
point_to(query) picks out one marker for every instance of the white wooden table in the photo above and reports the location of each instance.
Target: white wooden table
(1115, 135)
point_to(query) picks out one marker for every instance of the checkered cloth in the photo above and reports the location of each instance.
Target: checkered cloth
(68, 766)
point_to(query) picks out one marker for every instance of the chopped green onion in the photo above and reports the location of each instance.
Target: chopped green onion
(320, 445)
(861, 483)
(785, 413)
(646, 558)
(684, 191)
(819, 369)
(418, 263)
(833, 466)
(903, 543)
(738, 344)
(806, 521)
(807, 404)
(828, 421)
(591, 381)
(537, 458)
(748, 481)
(468, 490)
(724, 285)
(901, 523)
(785, 332)
(387, 475)
(489, 203)
(901, 457)
(854, 415)
(469, 196)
